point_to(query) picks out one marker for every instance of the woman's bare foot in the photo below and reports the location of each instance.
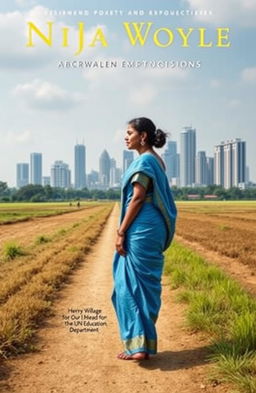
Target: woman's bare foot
(135, 356)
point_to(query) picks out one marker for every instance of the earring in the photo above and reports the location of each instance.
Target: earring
(142, 143)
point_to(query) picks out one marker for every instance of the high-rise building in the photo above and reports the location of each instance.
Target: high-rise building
(228, 172)
(171, 159)
(46, 180)
(128, 158)
(201, 169)
(188, 157)
(60, 175)
(219, 164)
(118, 176)
(80, 166)
(247, 175)
(112, 174)
(104, 174)
(238, 162)
(93, 180)
(115, 174)
(210, 170)
(36, 168)
(230, 163)
(22, 174)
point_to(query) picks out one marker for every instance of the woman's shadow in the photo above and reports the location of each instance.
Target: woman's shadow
(176, 360)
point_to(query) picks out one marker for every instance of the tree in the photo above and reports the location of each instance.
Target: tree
(3, 187)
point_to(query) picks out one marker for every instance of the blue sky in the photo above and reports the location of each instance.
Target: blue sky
(47, 109)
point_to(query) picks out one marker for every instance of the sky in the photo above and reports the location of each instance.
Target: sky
(48, 108)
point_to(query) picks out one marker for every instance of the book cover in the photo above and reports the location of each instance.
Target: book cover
(73, 73)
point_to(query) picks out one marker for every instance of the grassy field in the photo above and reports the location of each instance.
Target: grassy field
(220, 308)
(30, 276)
(13, 212)
(226, 227)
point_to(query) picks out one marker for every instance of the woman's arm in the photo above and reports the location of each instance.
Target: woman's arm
(139, 194)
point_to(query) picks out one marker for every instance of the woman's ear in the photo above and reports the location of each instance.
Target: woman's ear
(144, 136)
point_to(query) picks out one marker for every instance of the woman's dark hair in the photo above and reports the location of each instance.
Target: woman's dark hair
(155, 137)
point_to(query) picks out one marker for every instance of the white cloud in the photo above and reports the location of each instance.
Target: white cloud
(249, 75)
(118, 136)
(25, 3)
(47, 96)
(242, 12)
(140, 85)
(143, 96)
(14, 137)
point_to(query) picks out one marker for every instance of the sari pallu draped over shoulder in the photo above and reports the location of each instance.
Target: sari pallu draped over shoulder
(136, 295)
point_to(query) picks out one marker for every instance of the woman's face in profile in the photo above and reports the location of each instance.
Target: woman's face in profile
(132, 138)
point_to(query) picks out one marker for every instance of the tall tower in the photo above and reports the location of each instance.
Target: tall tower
(80, 166)
(104, 174)
(230, 163)
(60, 175)
(238, 161)
(188, 157)
(201, 168)
(210, 170)
(228, 170)
(219, 164)
(127, 159)
(22, 174)
(171, 159)
(36, 168)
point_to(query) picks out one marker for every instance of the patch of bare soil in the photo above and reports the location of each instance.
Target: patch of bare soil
(25, 232)
(67, 362)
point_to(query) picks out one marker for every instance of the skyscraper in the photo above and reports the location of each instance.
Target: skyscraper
(171, 159)
(230, 163)
(201, 168)
(22, 174)
(104, 173)
(228, 172)
(238, 162)
(128, 158)
(60, 175)
(219, 164)
(188, 157)
(112, 174)
(93, 179)
(80, 167)
(46, 181)
(210, 170)
(36, 168)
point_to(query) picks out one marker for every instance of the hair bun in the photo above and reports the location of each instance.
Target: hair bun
(160, 138)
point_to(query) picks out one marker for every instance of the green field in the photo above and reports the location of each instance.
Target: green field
(13, 212)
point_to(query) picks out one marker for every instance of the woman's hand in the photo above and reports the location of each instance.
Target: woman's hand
(120, 245)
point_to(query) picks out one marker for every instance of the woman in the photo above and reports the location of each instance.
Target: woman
(147, 224)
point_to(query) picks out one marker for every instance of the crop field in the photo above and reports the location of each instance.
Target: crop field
(226, 227)
(12, 212)
(33, 268)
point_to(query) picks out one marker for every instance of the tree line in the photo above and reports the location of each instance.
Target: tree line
(38, 193)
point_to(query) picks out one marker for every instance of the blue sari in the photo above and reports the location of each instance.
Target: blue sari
(136, 295)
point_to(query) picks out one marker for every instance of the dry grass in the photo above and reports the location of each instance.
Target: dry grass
(24, 211)
(29, 283)
(228, 228)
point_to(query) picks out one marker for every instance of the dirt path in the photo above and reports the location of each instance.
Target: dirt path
(26, 232)
(243, 274)
(86, 362)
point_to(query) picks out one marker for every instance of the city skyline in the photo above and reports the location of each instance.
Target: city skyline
(189, 167)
